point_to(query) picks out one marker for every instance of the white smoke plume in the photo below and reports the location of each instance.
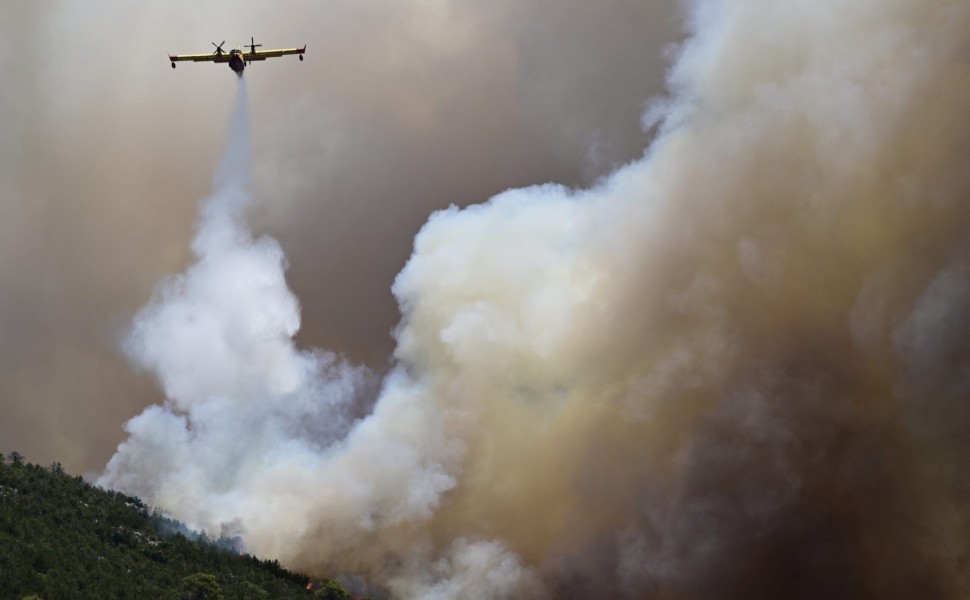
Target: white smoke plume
(736, 367)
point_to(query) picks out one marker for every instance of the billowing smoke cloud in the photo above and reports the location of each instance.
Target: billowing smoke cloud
(736, 367)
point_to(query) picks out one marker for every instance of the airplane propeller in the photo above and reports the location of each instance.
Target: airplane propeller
(219, 51)
(253, 45)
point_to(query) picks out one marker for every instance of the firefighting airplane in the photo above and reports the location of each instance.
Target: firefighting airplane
(237, 57)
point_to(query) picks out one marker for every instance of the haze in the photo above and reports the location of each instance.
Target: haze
(400, 109)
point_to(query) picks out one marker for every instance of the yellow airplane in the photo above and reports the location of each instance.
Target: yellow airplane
(237, 57)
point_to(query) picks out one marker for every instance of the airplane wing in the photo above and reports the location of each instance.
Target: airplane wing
(219, 58)
(264, 54)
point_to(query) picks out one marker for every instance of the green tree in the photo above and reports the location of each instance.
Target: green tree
(332, 590)
(251, 591)
(201, 586)
(64, 539)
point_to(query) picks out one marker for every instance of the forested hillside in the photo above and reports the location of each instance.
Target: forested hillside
(62, 538)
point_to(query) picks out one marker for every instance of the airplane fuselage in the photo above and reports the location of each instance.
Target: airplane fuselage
(236, 61)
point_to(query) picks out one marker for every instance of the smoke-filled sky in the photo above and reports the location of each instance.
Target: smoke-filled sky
(727, 358)
(400, 109)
